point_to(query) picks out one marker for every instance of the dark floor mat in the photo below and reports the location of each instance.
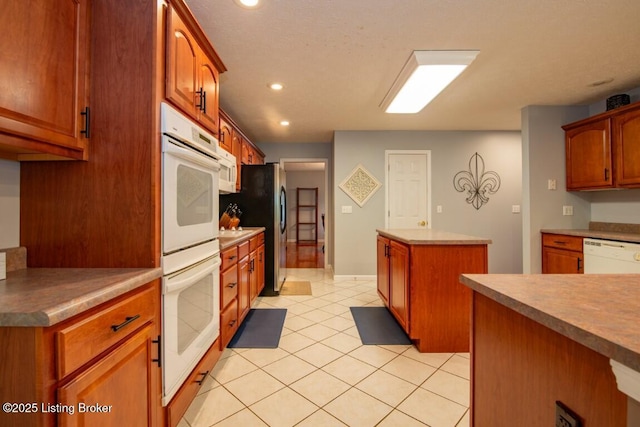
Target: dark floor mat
(261, 328)
(376, 325)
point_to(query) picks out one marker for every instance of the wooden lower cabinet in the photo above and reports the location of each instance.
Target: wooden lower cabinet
(562, 254)
(520, 368)
(424, 292)
(116, 382)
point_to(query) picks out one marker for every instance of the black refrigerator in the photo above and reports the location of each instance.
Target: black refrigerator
(263, 202)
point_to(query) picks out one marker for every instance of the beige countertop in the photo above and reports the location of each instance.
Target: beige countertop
(230, 238)
(46, 296)
(596, 234)
(424, 236)
(599, 311)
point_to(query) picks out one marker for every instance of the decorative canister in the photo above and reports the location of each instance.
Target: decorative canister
(617, 101)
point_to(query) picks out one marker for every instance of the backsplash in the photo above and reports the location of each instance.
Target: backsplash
(614, 227)
(16, 258)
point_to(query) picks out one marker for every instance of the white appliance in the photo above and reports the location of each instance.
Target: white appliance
(190, 247)
(228, 171)
(610, 257)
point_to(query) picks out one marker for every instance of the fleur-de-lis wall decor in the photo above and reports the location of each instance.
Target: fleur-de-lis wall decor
(477, 182)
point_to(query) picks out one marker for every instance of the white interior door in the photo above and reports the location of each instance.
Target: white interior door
(408, 189)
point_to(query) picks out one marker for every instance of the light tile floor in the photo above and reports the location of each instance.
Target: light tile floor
(322, 375)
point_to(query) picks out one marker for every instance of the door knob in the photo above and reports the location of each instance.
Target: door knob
(422, 223)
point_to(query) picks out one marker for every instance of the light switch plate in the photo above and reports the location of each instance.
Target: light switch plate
(515, 209)
(347, 209)
(567, 210)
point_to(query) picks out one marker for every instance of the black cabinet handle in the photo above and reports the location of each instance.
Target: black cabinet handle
(127, 320)
(232, 257)
(606, 174)
(202, 106)
(87, 122)
(159, 359)
(204, 377)
(579, 262)
(233, 322)
(559, 242)
(232, 285)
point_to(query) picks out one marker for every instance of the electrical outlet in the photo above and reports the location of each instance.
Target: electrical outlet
(565, 417)
(551, 184)
(439, 209)
(567, 210)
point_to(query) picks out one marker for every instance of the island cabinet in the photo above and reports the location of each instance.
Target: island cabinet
(418, 280)
(562, 254)
(193, 69)
(98, 368)
(44, 102)
(603, 151)
(538, 340)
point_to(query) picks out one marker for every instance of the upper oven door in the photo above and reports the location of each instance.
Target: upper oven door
(189, 196)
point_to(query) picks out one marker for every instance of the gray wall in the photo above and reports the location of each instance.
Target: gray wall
(9, 204)
(355, 249)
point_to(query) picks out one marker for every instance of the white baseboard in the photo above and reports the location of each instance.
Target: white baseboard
(354, 277)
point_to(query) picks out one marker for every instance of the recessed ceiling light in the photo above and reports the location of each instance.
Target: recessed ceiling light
(248, 4)
(425, 74)
(284, 123)
(276, 86)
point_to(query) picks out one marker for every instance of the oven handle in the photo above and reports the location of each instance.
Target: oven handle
(190, 155)
(186, 277)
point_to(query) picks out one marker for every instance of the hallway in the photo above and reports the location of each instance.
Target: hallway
(305, 255)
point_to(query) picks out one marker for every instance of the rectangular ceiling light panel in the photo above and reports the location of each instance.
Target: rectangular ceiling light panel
(423, 77)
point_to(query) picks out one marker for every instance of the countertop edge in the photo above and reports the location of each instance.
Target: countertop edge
(588, 339)
(447, 238)
(227, 242)
(68, 309)
(595, 234)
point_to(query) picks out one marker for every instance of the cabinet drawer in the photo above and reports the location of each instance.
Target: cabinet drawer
(229, 257)
(560, 241)
(228, 286)
(261, 239)
(228, 323)
(80, 342)
(253, 244)
(183, 398)
(243, 250)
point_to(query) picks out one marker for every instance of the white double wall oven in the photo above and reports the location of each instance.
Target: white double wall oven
(190, 247)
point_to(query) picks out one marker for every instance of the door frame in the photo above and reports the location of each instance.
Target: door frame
(328, 219)
(388, 153)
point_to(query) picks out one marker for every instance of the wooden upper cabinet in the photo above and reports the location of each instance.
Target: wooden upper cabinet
(44, 79)
(192, 69)
(626, 137)
(588, 156)
(603, 151)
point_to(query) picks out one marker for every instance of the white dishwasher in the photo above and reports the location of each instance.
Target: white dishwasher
(610, 257)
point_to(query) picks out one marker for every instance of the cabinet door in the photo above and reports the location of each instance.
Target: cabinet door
(260, 269)
(253, 276)
(399, 283)
(120, 382)
(44, 71)
(383, 269)
(208, 95)
(588, 156)
(226, 135)
(559, 261)
(626, 137)
(182, 64)
(244, 288)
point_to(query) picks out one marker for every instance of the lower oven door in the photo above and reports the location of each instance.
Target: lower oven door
(189, 196)
(190, 320)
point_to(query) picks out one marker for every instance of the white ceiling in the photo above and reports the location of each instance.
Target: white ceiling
(338, 58)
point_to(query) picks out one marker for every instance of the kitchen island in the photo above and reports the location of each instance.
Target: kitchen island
(418, 280)
(538, 339)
